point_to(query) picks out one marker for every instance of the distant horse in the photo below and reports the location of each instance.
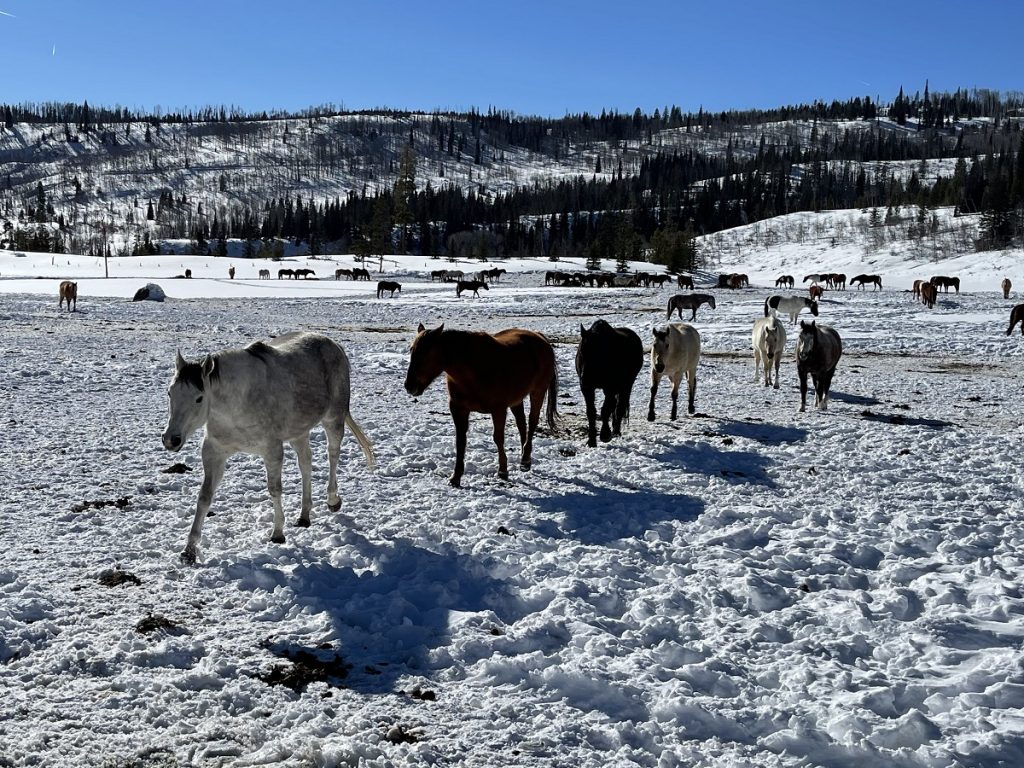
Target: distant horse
(494, 274)
(836, 281)
(784, 281)
(304, 273)
(1016, 316)
(689, 301)
(862, 280)
(769, 341)
(815, 277)
(68, 291)
(818, 350)
(659, 280)
(470, 285)
(283, 273)
(916, 290)
(231, 273)
(388, 285)
(792, 305)
(358, 273)
(1006, 285)
(253, 400)
(945, 283)
(264, 274)
(815, 291)
(685, 281)
(487, 374)
(188, 274)
(675, 352)
(929, 294)
(608, 359)
(338, 273)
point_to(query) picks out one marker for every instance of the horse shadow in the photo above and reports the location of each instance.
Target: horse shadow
(736, 467)
(384, 620)
(843, 397)
(766, 434)
(599, 515)
(901, 420)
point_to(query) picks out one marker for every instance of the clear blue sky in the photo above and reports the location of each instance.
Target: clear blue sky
(541, 58)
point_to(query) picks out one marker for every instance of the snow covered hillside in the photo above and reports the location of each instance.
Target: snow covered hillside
(747, 586)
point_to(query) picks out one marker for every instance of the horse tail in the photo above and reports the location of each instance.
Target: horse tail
(364, 441)
(552, 412)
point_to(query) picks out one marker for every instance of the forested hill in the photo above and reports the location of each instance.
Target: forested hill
(96, 180)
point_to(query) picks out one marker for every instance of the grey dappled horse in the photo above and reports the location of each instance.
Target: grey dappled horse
(791, 305)
(818, 350)
(769, 341)
(675, 352)
(253, 400)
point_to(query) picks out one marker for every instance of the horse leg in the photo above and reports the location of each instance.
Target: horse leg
(691, 389)
(676, 380)
(588, 398)
(335, 433)
(609, 411)
(757, 363)
(826, 385)
(655, 378)
(460, 417)
(803, 388)
(536, 402)
(305, 455)
(214, 461)
(273, 460)
(778, 362)
(621, 409)
(498, 417)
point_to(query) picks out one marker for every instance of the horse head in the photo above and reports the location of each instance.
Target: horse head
(426, 361)
(808, 340)
(711, 301)
(770, 334)
(659, 349)
(189, 407)
(814, 308)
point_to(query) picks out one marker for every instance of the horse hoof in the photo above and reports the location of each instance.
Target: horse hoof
(334, 507)
(188, 557)
(525, 467)
(650, 416)
(454, 482)
(302, 522)
(503, 475)
(279, 539)
(592, 442)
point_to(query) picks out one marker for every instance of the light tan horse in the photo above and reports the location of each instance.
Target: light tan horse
(1006, 285)
(68, 293)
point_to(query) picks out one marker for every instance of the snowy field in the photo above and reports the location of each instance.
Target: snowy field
(749, 586)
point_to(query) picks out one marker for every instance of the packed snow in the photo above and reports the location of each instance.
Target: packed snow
(746, 586)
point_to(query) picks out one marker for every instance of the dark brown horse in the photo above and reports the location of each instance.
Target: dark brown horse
(945, 283)
(487, 374)
(929, 293)
(608, 359)
(862, 280)
(470, 285)
(1016, 316)
(388, 285)
(68, 292)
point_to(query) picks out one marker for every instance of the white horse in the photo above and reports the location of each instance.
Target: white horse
(818, 350)
(791, 305)
(255, 399)
(769, 341)
(675, 352)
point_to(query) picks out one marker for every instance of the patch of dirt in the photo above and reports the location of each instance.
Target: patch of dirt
(305, 667)
(115, 577)
(177, 469)
(120, 503)
(156, 622)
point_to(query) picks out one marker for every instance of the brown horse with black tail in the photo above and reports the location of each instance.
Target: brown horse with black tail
(488, 373)
(388, 285)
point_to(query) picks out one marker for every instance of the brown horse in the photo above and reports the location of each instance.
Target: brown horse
(1006, 285)
(929, 293)
(815, 291)
(1016, 316)
(68, 293)
(487, 374)
(916, 290)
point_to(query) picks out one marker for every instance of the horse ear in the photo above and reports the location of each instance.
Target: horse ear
(420, 328)
(208, 365)
(440, 327)
(582, 329)
(179, 362)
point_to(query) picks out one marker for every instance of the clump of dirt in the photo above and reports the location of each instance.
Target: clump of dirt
(115, 577)
(120, 503)
(177, 469)
(306, 667)
(156, 622)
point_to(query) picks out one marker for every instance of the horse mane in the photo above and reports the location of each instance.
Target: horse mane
(191, 373)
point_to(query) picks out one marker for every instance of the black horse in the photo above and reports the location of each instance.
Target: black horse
(608, 359)
(818, 350)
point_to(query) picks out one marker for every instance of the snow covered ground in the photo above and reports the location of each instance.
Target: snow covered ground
(748, 586)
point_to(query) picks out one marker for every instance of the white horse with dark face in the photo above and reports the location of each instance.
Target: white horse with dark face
(818, 350)
(791, 305)
(253, 400)
(675, 352)
(769, 341)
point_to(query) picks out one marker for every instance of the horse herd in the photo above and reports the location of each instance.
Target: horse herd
(257, 398)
